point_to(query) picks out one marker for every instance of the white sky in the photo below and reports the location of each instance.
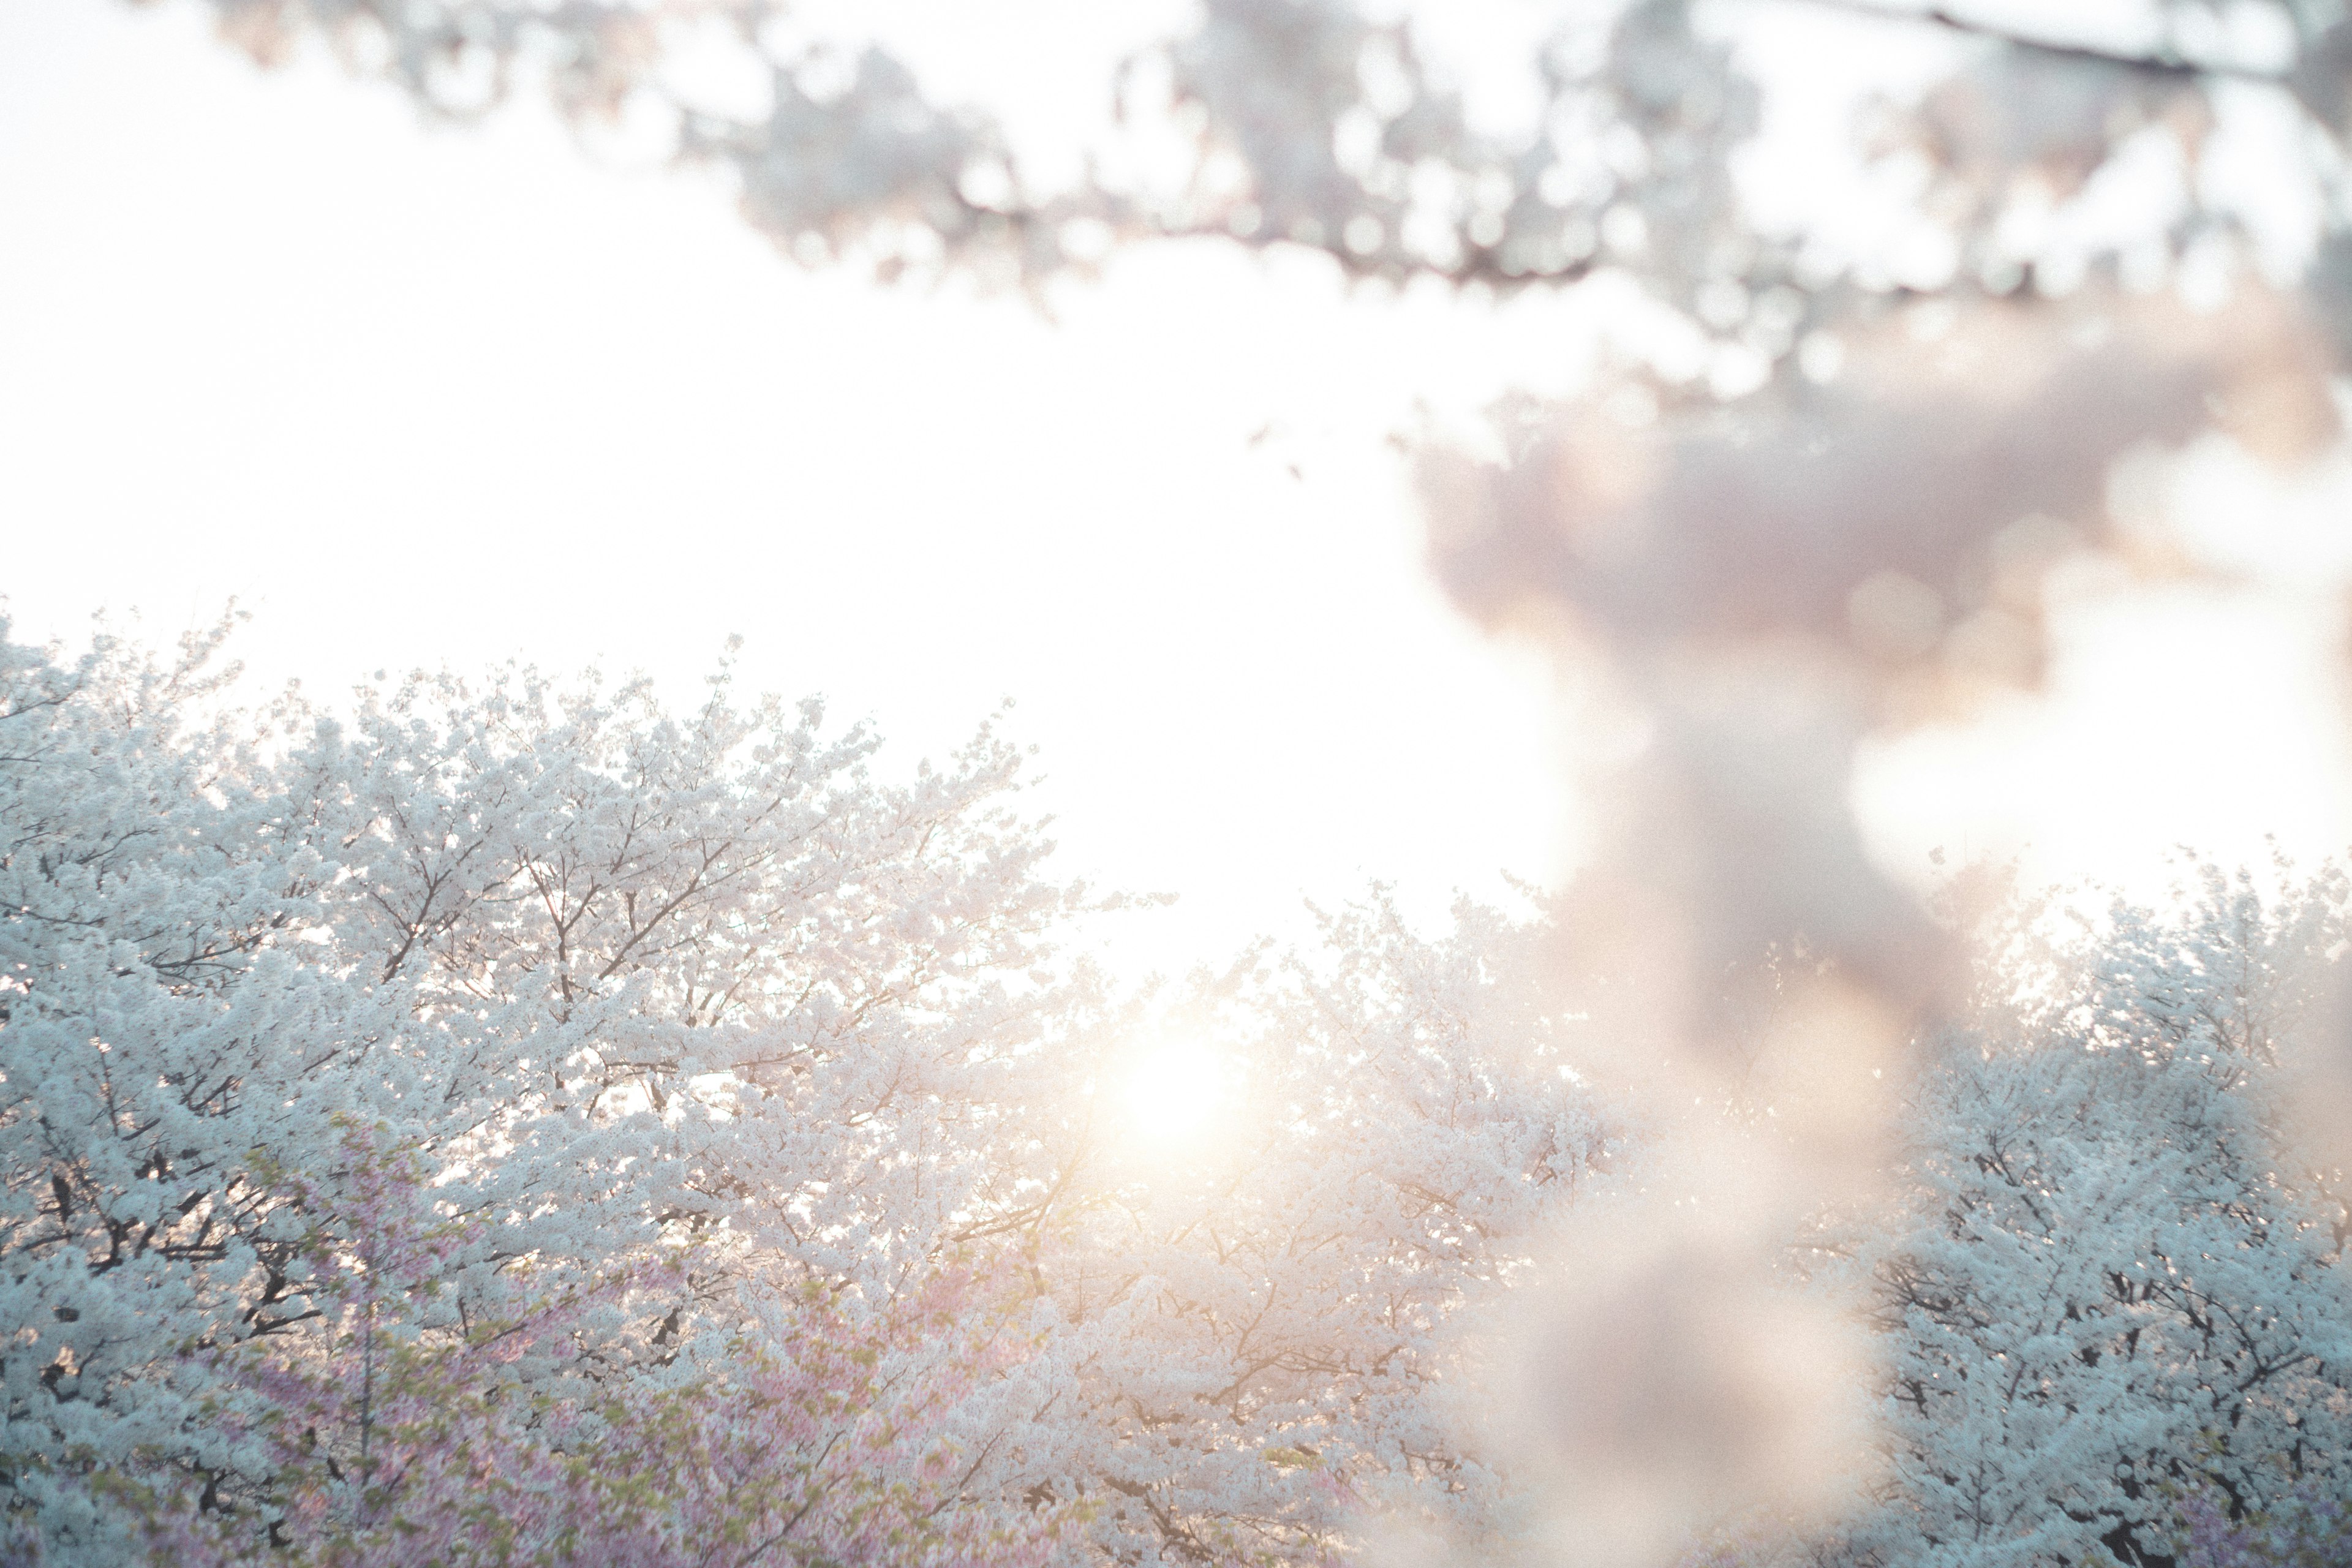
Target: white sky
(420, 396)
(425, 395)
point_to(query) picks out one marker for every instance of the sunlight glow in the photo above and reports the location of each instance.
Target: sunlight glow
(1175, 1091)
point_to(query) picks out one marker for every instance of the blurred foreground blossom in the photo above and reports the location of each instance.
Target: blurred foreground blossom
(1682, 1375)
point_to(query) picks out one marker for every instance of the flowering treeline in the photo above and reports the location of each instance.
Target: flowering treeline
(522, 1124)
(525, 1124)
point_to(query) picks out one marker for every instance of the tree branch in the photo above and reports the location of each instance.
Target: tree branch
(2166, 63)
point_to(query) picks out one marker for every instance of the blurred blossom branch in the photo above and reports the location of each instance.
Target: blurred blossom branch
(1306, 123)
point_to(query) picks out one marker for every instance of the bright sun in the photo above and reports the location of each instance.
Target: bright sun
(1174, 1090)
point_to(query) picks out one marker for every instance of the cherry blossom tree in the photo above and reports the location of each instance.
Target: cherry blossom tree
(398, 1436)
(514, 1069)
(2112, 1280)
(515, 939)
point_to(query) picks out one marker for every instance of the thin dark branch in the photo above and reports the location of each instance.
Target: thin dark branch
(2164, 63)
